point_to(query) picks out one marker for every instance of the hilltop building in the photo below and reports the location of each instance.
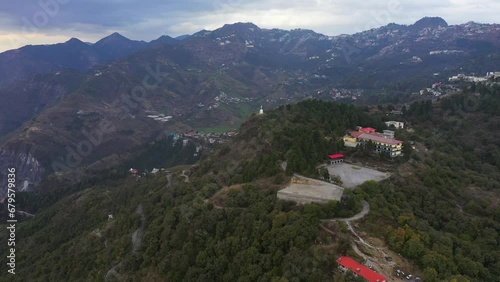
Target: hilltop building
(382, 142)
(336, 158)
(396, 124)
(261, 112)
(347, 263)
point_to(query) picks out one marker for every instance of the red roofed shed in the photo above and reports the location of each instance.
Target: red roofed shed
(359, 269)
(336, 156)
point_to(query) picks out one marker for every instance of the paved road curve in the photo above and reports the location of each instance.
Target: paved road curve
(364, 211)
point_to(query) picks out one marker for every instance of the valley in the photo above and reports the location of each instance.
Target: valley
(252, 154)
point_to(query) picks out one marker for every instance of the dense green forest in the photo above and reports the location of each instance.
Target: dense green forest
(185, 237)
(440, 209)
(168, 152)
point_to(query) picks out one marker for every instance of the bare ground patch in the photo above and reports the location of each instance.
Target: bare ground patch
(354, 175)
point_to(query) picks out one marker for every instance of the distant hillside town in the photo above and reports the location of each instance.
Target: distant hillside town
(472, 78)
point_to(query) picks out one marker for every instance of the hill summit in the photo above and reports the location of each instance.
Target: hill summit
(432, 22)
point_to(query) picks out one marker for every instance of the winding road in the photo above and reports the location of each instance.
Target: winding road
(137, 235)
(360, 215)
(27, 214)
(169, 179)
(186, 177)
(359, 240)
(136, 243)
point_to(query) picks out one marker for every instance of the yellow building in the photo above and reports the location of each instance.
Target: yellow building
(381, 142)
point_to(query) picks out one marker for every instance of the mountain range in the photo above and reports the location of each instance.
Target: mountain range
(60, 98)
(73, 54)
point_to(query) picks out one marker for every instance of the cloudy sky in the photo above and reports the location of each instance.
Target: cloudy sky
(51, 21)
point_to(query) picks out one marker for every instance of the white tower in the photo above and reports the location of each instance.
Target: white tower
(261, 112)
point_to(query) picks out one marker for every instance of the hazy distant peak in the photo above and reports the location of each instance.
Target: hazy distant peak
(431, 22)
(238, 27)
(241, 25)
(114, 37)
(74, 40)
(182, 37)
(202, 33)
(163, 39)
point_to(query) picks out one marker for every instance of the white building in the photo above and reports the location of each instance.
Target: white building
(462, 77)
(396, 124)
(389, 133)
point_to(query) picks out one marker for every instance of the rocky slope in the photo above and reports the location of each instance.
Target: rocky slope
(29, 171)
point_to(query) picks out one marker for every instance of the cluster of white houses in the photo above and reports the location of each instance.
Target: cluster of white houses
(471, 78)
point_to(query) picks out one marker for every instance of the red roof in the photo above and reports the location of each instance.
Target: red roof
(380, 138)
(377, 137)
(367, 130)
(336, 156)
(355, 134)
(360, 269)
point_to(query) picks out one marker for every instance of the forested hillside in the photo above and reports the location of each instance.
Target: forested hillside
(440, 209)
(302, 134)
(185, 236)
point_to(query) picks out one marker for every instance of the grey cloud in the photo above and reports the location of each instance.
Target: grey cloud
(149, 19)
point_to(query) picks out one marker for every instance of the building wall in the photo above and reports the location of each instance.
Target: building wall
(336, 161)
(393, 150)
(351, 144)
(350, 139)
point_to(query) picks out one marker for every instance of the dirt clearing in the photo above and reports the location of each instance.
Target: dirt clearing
(354, 175)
